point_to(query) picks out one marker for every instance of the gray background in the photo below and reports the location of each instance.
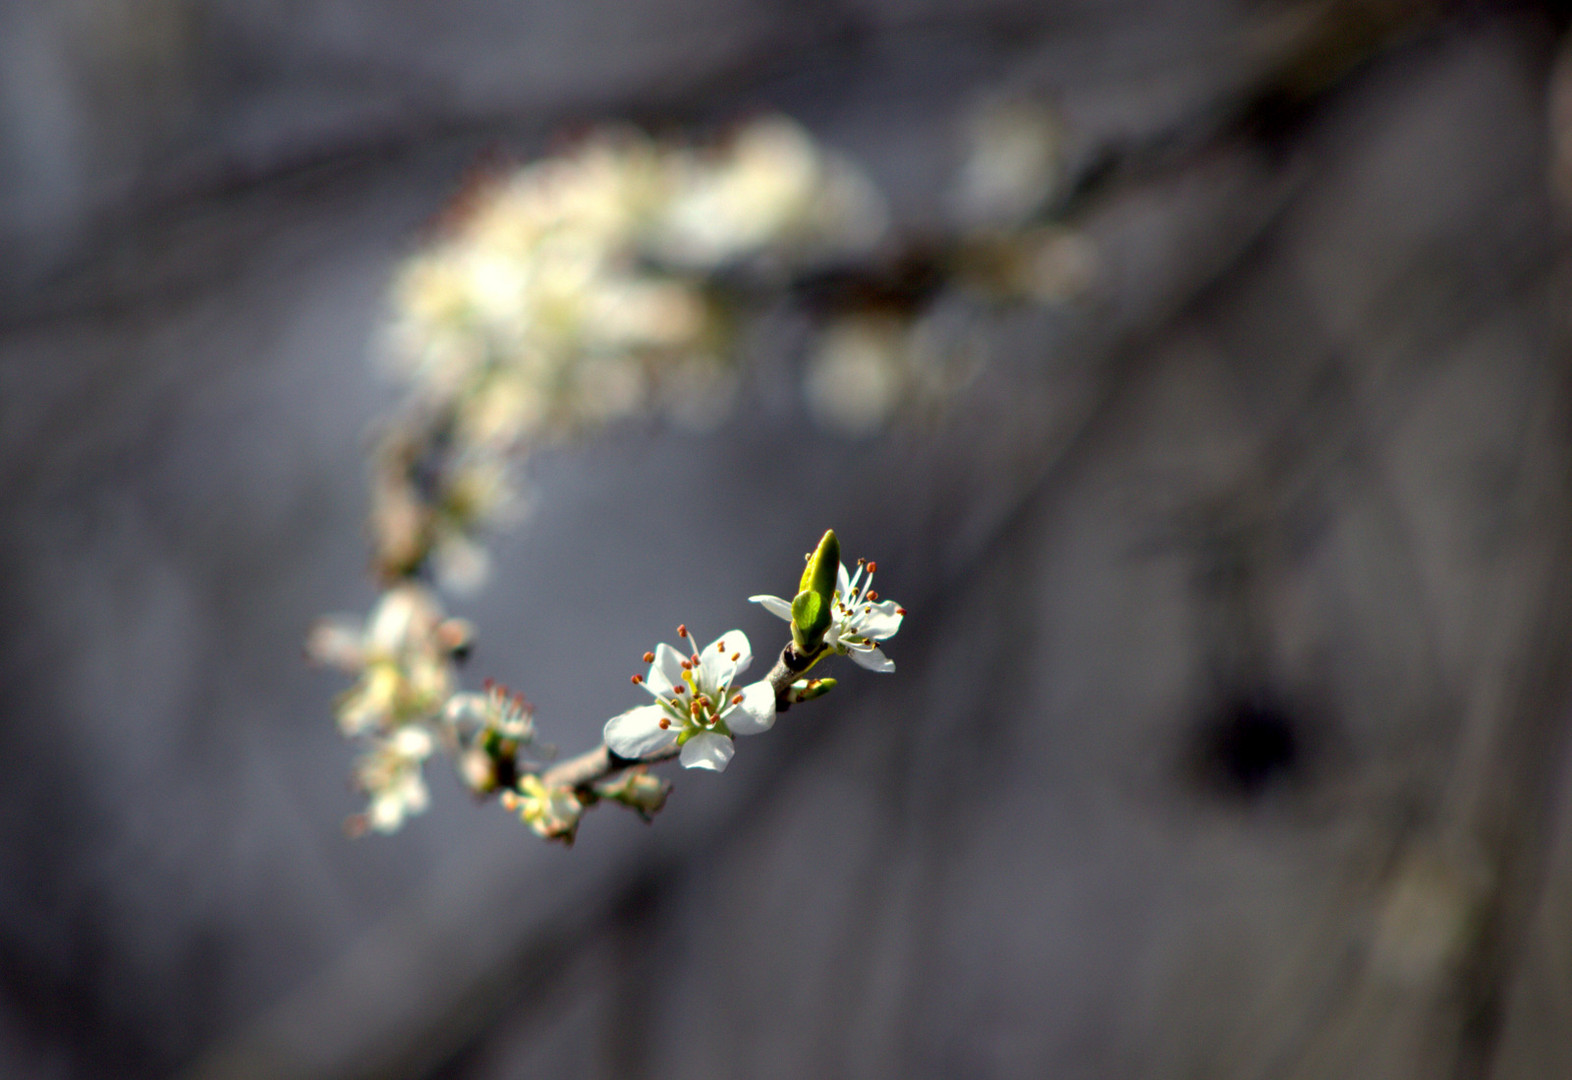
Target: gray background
(1229, 738)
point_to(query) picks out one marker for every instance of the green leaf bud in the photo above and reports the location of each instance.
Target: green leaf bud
(820, 574)
(810, 618)
(808, 689)
(810, 610)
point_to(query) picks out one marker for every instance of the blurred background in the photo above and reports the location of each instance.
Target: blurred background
(1230, 735)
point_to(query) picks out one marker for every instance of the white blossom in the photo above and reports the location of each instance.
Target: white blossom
(859, 619)
(696, 706)
(390, 774)
(402, 659)
(507, 715)
(855, 379)
(553, 813)
(1014, 163)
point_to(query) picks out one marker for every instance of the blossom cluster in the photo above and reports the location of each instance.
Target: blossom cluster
(403, 662)
(610, 281)
(579, 290)
(404, 704)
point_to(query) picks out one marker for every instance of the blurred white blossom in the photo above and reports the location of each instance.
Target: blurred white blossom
(1012, 164)
(553, 813)
(390, 775)
(498, 711)
(868, 369)
(576, 291)
(1056, 265)
(857, 375)
(402, 659)
(774, 185)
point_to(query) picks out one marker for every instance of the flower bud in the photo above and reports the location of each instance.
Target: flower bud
(637, 790)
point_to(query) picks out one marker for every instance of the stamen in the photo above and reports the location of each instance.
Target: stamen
(649, 658)
(679, 688)
(872, 595)
(682, 630)
(872, 567)
(900, 611)
(737, 700)
(637, 679)
(720, 646)
(735, 655)
(861, 561)
(664, 723)
(687, 665)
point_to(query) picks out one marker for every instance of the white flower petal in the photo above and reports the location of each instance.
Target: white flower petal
(842, 582)
(390, 621)
(880, 623)
(707, 750)
(359, 712)
(466, 709)
(665, 670)
(412, 742)
(637, 733)
(872, 659)
(781, 609)
(735, 641)
(415, 795)
(716, 670)
(386, 813)
(755, 712)
(721, 661)
(336, 642)
(403, 617)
